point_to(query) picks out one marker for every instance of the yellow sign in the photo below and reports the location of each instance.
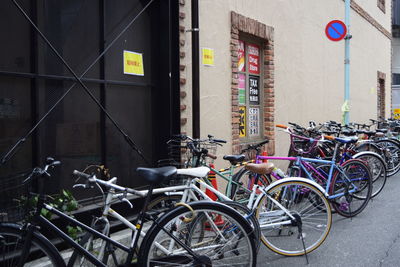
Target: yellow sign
(396, 113)
(242, 121)
(208, 56)
(133, 63)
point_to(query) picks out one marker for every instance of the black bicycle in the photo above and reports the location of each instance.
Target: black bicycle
(175, 238)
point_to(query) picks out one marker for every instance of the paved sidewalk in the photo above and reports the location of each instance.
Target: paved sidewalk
(370, 239)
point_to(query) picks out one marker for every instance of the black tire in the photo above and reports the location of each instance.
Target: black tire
(12, 241)
(369, 146)
(378, 170)
(241, 188)
(244, 211)
(233, 242)
(358, 175)
(392, 155)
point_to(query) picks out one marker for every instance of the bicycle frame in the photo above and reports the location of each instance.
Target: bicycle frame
(306, 167)
(38, 219)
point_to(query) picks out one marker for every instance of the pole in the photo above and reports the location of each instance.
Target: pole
(195, 69)
(346, 108)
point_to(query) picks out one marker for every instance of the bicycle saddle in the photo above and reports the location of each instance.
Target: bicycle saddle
(347, 140)
(234, 159)
(156, 175)
(262, 168)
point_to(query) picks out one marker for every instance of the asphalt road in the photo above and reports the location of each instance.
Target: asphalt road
(372, 238)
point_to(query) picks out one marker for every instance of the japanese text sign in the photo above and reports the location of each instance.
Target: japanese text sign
(242, 121)
(254, 91)
(133, 63)
(253, 52)
(208, 56)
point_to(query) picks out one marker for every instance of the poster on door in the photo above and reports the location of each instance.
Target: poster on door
(254, 122)
(241, 57)
(253, 52)
(254, 90)
(396, 113)
(242, 89)
(242, 121)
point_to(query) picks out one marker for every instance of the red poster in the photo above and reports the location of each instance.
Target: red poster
(253, 52)
(241, 57)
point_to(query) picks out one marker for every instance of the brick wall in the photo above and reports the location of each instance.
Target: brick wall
(242, 24)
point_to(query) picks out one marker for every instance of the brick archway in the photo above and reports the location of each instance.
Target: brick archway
(241, 24)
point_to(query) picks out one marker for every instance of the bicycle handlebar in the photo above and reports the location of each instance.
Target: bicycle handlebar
(42, 172)
(108, 184)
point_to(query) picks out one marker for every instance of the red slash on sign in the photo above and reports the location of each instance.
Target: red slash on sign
(336, 30)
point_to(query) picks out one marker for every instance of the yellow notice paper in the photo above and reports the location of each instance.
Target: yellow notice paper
(396, 113)
(133, 63)
(242, 121)
(208, 56)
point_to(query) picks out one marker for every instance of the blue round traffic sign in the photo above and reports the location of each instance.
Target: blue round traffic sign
(336, 30)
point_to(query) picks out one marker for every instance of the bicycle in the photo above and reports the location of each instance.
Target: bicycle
(284, 212)
(279, 215)
(171, 239)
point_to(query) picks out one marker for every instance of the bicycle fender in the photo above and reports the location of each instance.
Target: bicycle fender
(369, 153)
(298, 179)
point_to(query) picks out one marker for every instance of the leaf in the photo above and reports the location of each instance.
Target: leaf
(65, 193)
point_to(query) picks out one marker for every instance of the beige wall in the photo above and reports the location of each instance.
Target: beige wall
(309, 69)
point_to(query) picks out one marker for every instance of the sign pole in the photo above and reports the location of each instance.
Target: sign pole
(345, 107)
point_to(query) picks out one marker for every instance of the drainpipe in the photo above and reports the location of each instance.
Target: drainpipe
(346, 108)
(195, 70)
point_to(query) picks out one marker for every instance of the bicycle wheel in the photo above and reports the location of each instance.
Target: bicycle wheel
(378, 170)
(392, 155)
(228, 238)
(243, 210)
(244, 181)
(310, 224)
(41, 251)
(355, 188)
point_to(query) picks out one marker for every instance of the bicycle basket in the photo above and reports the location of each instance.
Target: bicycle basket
(212, 149)
(177, 152)
(302, 145)
(14, 197)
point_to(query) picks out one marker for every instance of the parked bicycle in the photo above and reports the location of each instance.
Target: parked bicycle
(172, 239)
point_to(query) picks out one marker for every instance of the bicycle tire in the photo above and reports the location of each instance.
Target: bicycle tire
(378, 170)
(241, 192)
(12, 241)
(360, 175)
(392, 155)
(233, 242)
(301, 198)
(245, 212)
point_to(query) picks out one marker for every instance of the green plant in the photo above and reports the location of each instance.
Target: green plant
(64, 202)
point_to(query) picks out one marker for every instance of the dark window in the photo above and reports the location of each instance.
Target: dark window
(396, 13)
(396, 78)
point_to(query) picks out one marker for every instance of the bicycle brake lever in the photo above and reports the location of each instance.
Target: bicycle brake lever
(79, 185)
(127, 201)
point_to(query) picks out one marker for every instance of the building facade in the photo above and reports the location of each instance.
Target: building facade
(273, 64)
(96, 39)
